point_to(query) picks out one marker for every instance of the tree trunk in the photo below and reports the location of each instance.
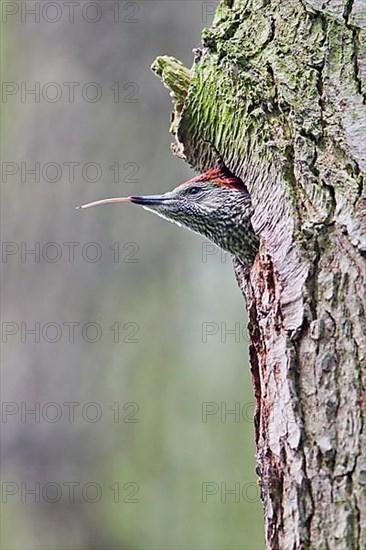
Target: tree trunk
(278, 89)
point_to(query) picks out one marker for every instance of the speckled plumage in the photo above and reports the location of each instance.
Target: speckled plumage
(214, 204)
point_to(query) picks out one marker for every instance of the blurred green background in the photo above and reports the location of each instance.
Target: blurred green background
(132, 444)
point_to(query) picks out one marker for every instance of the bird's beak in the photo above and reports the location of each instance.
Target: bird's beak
(148, 200)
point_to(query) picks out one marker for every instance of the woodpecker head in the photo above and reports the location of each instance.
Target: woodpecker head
(215, 204)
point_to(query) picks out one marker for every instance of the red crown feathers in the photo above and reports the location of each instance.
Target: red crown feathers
(219, 176)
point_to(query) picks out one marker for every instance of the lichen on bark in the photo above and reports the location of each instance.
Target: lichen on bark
(279, 89)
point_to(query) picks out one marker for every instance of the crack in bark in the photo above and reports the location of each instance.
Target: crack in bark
(347, 11)
(320, 69)
(356, 46)
(356, 50)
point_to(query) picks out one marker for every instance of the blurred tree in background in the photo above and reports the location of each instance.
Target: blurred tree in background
(169, 361)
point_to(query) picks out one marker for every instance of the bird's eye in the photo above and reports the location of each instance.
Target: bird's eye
(194, 191)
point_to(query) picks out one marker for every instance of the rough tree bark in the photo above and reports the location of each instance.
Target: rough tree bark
(279, 89)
